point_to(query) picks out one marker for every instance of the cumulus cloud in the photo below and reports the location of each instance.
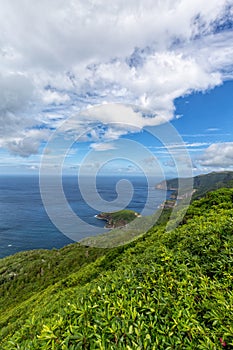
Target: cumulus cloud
(15, 98)
(218, 155)
(59, 58)
(25, 143)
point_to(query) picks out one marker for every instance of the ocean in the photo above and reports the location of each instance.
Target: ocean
(25, 225)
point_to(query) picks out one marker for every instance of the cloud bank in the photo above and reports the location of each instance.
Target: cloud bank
(58, 58)
(218, 155)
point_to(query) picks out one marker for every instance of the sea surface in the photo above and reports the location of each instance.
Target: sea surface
(24, 222)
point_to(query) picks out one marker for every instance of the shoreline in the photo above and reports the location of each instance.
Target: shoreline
(117, 219)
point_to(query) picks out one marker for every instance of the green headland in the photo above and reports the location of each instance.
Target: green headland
(119, 218)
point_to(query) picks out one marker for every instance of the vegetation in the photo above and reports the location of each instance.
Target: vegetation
(201, 183)
(119, 218)
(166, 290)
(27, 272)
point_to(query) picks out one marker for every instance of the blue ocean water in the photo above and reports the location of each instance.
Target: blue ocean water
(24, 223)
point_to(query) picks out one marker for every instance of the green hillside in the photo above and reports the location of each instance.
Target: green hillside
(166, 290)
(119, 218)
(202, 183)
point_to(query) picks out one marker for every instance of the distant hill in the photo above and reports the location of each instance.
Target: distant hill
(201, 183)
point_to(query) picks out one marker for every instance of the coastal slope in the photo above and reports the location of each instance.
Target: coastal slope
(164, 290)
(201, 183)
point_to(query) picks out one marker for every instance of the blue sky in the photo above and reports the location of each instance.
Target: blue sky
(93, 86)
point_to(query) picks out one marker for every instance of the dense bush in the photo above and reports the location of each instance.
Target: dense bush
(167, 290)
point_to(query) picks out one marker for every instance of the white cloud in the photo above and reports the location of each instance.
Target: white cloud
(33, 167)
(58, 58)
(103, 146)
(122, 115)
(188, 145)
(218, 155)
(181, 146)
(15, 98)
(25, 143)
(54, 97)
(212, 129)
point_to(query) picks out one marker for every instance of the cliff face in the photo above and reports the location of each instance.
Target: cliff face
(161, 186)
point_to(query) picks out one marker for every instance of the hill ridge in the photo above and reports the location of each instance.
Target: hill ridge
(201, 183)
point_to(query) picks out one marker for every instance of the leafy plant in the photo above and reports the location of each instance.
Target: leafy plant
(167, 290)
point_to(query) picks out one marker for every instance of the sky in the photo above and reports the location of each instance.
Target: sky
(123, 87)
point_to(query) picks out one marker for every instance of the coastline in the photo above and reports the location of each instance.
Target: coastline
(117, 219)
